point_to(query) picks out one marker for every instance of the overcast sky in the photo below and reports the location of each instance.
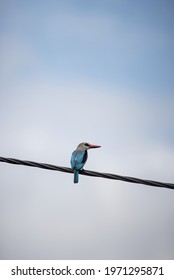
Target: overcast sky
(93, 71)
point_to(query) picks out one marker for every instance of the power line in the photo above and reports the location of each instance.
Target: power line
(89, 173)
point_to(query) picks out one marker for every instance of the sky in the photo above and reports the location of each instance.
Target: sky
(93, 71)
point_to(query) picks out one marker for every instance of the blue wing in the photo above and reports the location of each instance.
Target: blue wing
(78, 159)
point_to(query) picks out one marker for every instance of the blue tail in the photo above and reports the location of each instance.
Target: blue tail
(76, 176)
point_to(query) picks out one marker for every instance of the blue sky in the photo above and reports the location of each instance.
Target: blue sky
(112, 41)
(97, 71)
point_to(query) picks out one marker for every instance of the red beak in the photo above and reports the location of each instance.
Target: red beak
(92, 146)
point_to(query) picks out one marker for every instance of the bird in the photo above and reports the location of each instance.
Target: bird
(79, 158)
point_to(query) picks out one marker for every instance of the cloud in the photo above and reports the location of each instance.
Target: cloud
(45, 212)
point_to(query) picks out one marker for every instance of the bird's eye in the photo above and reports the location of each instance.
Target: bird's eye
(86, 144)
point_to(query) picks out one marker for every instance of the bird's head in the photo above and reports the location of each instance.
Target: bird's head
(86, 146)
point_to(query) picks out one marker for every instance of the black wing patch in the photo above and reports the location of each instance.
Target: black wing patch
(85, 157)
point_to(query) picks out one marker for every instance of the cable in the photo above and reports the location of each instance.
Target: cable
(88, 173)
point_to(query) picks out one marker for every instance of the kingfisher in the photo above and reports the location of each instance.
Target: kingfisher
(79, 158)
